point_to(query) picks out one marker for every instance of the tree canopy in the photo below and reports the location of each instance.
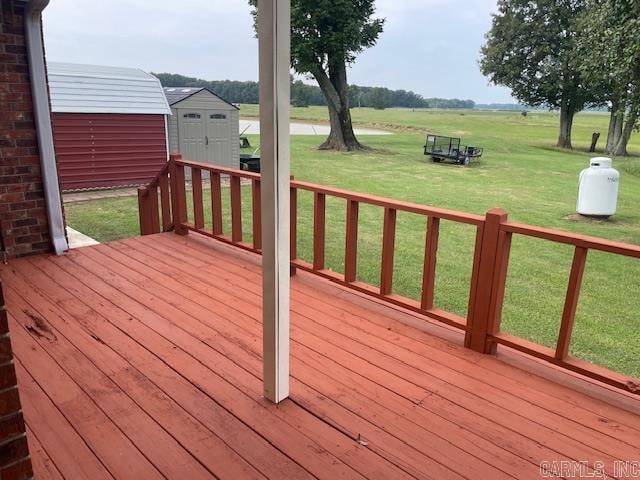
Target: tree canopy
(609, 51)
(531, 48)
(326, 37)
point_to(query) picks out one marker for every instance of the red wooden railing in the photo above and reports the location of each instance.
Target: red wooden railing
(163, 207)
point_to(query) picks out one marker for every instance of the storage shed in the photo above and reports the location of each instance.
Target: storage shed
(204, 127)
(109, 125)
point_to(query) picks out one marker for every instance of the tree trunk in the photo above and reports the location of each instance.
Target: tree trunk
(615, 127)
(335, 89)
(567, 112)
(620, 149)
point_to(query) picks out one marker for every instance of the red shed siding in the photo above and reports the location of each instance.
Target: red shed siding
(108, 150)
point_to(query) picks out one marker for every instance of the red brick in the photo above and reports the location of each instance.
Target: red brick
(22, 206)
(21, 470)
(11, 426)
(9, 401)
(5, 349)
(7, 376)
(15, 450)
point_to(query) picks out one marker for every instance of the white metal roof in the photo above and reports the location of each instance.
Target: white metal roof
(95, 89)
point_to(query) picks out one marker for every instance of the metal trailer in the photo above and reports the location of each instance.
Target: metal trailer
(448, 148)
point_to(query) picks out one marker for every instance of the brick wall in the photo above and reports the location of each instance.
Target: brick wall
(15, 463)
(23, 218)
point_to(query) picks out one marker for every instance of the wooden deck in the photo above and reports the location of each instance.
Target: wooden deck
(142, 359)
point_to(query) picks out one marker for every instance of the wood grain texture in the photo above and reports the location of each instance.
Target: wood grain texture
(148, 353)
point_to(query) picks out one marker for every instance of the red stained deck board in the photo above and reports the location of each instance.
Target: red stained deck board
(174, 323)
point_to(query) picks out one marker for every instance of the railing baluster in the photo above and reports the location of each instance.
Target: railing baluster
(351, 242)
(165, 202)
(198, 209)
(293, 234)
(154, 213)
(571, 302)
(216, 203)
(236, 210)
(257, 214)
(388, 251)
(143, 211)
(179, 195)
(430, 258)
(319, 228)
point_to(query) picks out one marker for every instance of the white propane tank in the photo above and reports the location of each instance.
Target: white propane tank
(598, 189)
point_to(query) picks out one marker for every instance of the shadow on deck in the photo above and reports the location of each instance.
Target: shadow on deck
(142, 359)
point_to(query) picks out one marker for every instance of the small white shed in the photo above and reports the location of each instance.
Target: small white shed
(204, 127)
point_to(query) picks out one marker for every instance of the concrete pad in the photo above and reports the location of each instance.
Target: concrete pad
(78, 239)
(252, 127)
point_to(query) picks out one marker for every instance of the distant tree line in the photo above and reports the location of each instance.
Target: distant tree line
(570, 55)
(304, 95)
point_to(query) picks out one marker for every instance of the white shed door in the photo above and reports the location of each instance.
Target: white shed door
(191, 128)
(218, 138)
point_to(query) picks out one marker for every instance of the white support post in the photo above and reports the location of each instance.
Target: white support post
(274, 25)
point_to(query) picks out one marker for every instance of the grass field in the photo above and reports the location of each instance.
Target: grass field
(521, 171)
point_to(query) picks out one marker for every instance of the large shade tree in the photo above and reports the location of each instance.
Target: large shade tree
(609, 49)
(326, 37)
(531, 48)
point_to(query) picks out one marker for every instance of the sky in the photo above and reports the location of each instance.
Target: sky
(428, 46)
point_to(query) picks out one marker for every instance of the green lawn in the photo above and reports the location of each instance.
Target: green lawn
(521, 171)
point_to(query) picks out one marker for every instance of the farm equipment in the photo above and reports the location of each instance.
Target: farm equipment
(448, 148)
(250, 162)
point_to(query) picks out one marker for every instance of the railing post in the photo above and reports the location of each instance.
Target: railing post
(178, 195)
(490, 283)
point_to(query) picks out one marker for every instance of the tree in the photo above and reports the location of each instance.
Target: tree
(379, 98)
(531, 48)
(326, 37)
(609, 46)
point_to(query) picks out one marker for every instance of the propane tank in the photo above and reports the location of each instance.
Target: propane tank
(598, 189)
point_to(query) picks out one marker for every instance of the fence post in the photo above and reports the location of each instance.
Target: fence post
(178, 195)
(485, 317)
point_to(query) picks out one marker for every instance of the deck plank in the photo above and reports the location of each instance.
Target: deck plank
(431, 444)
(595, 413)
(163, 305)
(158, 347)
(131, 398)
(116, 321)
(73, 456)
(579, 452)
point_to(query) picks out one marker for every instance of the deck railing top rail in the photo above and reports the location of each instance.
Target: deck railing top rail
(163, 207)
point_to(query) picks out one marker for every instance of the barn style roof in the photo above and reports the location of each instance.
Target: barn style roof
(97, 89)
(177, 94)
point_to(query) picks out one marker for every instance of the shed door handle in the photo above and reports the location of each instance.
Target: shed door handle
(206, 140)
